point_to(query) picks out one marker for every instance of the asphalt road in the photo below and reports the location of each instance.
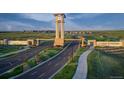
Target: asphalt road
(19, 58)
(47, 69)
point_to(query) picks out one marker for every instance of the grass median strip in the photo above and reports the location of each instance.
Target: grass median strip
(6, 49)
(68, 71)
(42, 56)
(12, 72)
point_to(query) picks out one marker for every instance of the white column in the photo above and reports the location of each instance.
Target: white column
(62, 27)
(57, 27)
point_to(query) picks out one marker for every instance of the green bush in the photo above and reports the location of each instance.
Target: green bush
(47, 53)
(31, 62)
(13, 72)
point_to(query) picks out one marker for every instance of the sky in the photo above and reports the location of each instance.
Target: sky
(73, 21)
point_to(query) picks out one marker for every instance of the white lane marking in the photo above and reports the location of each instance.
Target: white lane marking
(49, 63)
(56, 64)
(10, 63)
(41, 75)
(34, 73)
(42, 63)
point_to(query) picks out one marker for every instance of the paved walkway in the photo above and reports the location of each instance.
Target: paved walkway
(81, 72)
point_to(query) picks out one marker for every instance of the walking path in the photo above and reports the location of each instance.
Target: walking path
(81, 72)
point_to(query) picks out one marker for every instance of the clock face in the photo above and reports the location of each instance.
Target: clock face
(59, 17)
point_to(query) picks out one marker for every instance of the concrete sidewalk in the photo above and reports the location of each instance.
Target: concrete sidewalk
(81, 72)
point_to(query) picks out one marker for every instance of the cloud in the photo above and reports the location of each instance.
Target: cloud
(73, 21)
(70, 25)
(39, 16)
(15, 26)
(83, 15)
(97, 27)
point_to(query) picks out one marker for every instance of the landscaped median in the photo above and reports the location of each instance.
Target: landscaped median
(103, 65)
(41, 57)
(68, 71)
(7, 50)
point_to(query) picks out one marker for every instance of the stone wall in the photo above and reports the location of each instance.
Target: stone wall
(111, 44)
(123, 43)
(17, 42)
(106, 43)
(30, 42)
(1, 42)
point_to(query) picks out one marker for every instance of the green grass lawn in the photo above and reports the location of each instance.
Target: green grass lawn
(30, 35)
(12, 72)
(31, 62)
(110, 35)
(102, 37)
(25, 35)
(98, 35)
(68, 71)
(104, 66)
(8, 48)
(42, 56)
(47, 53)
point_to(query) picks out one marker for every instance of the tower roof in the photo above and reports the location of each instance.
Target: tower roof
(56, 14)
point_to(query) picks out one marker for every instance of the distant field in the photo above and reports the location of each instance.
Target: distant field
(111, 34)
(98, 35)
(29, 35)
(105, 35)
(114, 33)
(25, 35)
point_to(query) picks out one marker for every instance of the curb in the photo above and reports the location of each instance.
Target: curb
(40, 63)
(51, 77)
(62, 66)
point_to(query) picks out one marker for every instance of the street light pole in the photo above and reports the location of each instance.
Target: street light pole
(72, 53)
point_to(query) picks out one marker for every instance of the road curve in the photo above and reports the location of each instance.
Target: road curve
(19, 58)
(81, 72)
(47, 69)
